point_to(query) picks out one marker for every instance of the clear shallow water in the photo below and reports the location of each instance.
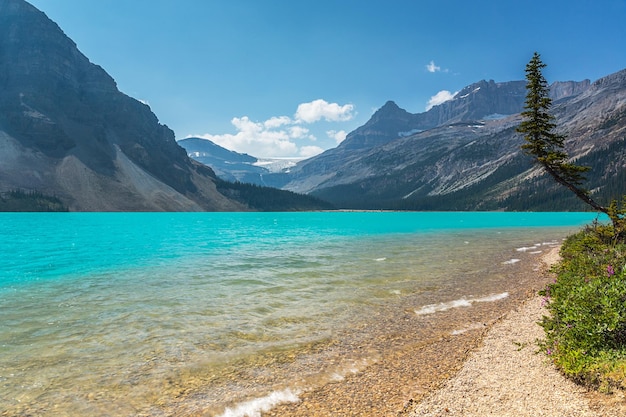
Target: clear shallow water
(136, 313)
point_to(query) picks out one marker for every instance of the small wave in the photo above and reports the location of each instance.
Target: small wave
(491, 298)
(434, 308)
(337, 377)
(527, 248)
(380, 259)
(352, 368)
(254, 408)
(537, 246)
(511, 262)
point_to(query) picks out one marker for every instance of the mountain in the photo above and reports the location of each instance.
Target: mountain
(242, 178)
(236, 167)
(228, 165)
(465, 153)
(70, 139)
(66, 130)
(482, 100)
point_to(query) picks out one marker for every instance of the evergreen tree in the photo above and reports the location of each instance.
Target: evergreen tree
(546, 146)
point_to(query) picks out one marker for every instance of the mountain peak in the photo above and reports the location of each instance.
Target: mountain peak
(390, 106)
(382, 127)
(473, 89)
(390, 111)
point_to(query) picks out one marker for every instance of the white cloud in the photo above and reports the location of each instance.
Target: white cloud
(431, 67)
(277, 122)
(317, 110)
(309, 151)
(338, 135)
(255, 138)
(299, 132)
(279, 136)
(440, 97)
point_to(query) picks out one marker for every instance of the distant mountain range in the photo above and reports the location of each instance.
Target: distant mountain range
(68, 135)
(234, 166)
(464, 154)
(69, 139)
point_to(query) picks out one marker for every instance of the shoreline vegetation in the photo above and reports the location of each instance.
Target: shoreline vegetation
(508, 376)
(586, 325)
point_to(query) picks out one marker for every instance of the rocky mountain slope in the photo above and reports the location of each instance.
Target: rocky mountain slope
(464, 154)
(66, 130)
(70, 139)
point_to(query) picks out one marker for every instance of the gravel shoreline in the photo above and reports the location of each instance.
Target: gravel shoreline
(427, 368)
(506, 376)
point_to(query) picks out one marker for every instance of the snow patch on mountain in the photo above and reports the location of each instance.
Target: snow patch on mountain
(495, 116)
(410, 132)
(274, 165)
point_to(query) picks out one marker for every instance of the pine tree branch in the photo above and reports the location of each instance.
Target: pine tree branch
(580, 193)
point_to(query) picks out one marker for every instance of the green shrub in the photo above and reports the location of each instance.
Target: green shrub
(586, 328)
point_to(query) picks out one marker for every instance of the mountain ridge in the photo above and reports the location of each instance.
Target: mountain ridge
(472, 106)
(67, 131)
(464, 154)
(484, 157)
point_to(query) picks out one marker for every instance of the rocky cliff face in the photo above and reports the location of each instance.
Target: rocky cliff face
(482, 100)
(566, 89)
(68, 131)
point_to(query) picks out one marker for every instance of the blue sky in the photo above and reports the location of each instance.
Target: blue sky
(292, 77)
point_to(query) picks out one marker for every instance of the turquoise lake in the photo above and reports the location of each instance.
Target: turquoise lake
(222, 313)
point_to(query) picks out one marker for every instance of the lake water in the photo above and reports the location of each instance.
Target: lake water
(128, 314)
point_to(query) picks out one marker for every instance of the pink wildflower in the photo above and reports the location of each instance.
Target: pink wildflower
(610, 270)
